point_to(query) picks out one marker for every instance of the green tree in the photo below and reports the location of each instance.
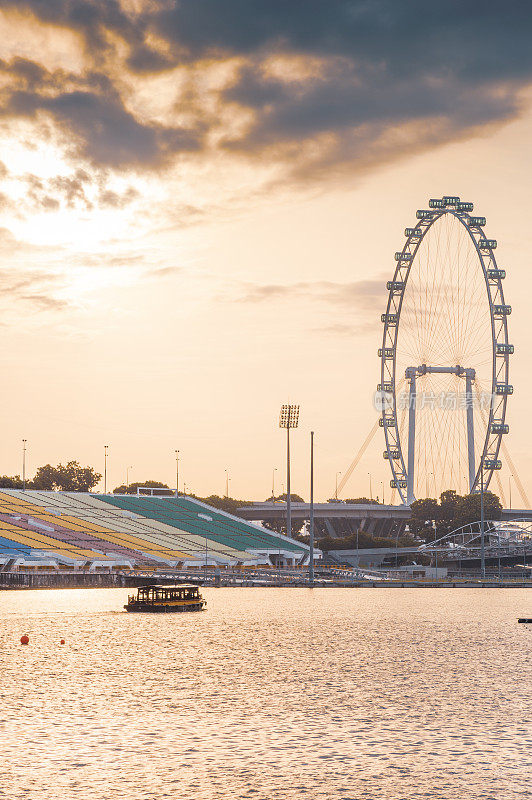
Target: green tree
(366, 501)
(279, 525)
(424, 515)
(70, 477)
(228, 504)
(7, 482)
(432, 519)
(468, 508)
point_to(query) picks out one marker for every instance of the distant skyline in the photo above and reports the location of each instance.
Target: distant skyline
(201, 203)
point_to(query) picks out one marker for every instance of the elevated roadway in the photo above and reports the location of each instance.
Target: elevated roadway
(343, 519)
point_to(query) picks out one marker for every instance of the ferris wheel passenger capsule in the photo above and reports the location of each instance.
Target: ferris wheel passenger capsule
(386, 352)
(502, 311)
(503, 349)
(390, 319)
(487, 244)
(496, 274)
(449, 200)
(403, 256)
(503, 388)
(400, 483)
(395, 286)
(492, 463)
(387, 422)
(434, 203)
(499, 427)
(465, 207)
(423, 213)
(393, 454)
(477, 221)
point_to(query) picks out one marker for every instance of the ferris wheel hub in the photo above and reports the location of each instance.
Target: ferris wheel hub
(423, 369)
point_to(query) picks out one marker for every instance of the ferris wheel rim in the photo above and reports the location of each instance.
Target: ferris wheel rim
(500, 347)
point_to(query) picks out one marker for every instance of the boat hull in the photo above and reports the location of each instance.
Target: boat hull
(165, 608)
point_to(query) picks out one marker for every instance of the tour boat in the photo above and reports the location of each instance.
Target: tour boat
(182, 597)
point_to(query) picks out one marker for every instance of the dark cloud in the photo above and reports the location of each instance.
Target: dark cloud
(105, 133)
(477, 40)
(49, 195)
(73, 188)
(386, 77)
(78, 189)
(116, 199)
(92, 114)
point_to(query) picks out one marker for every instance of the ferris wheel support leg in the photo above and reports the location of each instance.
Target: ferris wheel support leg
(411, 436)
(470, 429)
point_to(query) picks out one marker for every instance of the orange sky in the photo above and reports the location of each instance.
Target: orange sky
(172, 271)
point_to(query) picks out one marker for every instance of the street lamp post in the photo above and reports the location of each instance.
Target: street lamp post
(24, 464)
(105, 449)
(273, 484)
(289, 418)
(436, 548)
(176, 472)
(227, 479)
(311, 538)
(127, 478)
(370, 490)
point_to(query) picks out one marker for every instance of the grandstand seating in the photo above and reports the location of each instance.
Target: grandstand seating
(195, 517)
(142, 531)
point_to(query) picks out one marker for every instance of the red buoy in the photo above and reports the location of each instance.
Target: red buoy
(62, 641)
(25, 639)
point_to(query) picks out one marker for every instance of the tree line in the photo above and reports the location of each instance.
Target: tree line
(69, 477)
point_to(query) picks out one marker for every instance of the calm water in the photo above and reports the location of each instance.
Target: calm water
(272, 693)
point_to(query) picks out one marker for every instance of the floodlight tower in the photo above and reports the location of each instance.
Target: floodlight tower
(289, 418)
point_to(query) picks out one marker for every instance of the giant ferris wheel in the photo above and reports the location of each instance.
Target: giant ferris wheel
(445, 355)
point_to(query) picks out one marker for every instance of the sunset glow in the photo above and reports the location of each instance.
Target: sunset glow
(199, 214)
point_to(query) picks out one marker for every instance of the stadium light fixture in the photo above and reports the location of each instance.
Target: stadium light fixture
(288, 418)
